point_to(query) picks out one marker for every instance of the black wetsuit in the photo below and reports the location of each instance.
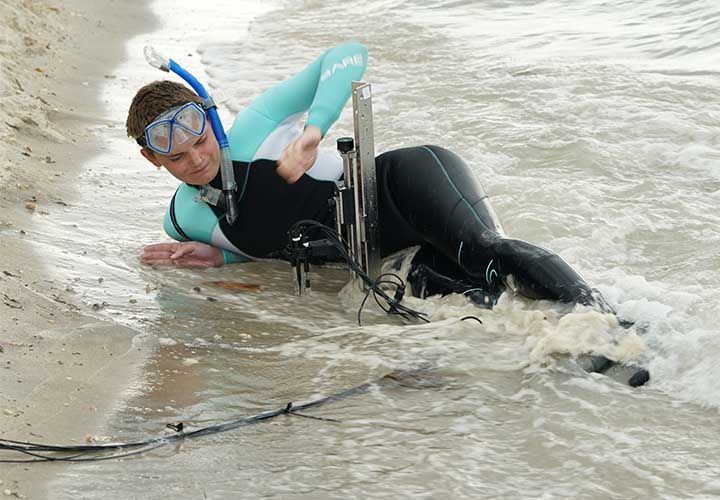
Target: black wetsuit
(429, 196)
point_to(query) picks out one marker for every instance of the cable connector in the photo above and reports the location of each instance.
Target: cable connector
(179, 427)
(399, 293)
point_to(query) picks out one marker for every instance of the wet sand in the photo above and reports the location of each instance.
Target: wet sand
(63, 369)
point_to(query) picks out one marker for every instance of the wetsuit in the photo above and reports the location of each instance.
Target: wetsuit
(260, 133)
(427, 196)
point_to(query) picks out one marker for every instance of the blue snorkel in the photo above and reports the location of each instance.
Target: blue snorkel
(227, 173)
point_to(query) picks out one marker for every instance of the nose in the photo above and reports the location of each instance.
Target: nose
(195, 157)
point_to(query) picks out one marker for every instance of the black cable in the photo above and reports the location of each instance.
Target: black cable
(343, 248)
(379, 282)
(89, 453)
(80, 457)
(362, 304)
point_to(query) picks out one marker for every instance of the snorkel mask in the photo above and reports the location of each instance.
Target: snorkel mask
(178, 125)
(174, 127)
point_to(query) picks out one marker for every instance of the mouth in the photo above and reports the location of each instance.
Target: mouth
(202, 168)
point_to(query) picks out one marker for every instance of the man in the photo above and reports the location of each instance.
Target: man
(427, 195)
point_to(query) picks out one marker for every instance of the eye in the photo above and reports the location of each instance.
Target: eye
(202, 139)
(176, 158)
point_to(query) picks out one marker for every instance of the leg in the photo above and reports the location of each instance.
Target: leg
(428, 196)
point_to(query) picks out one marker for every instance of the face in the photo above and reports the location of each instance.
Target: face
(196, 161)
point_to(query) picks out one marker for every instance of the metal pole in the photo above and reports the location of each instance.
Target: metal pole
(367, 217)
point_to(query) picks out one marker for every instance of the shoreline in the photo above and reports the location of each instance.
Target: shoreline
(64, 369)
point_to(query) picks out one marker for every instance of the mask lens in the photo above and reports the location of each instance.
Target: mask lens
(192, 119)
(157, 136)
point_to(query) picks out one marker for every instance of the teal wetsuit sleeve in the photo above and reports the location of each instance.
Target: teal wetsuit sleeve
(341, 66)
(233, 258)
(170, 229)
(321, 89)
(187, 219)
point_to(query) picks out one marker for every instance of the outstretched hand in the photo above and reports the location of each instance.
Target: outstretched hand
(182, 254)
(300, 155)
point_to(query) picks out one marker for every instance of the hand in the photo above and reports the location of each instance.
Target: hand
(182, 254)
(300, 155)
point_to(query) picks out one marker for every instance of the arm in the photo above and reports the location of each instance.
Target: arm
(188, 254)
(321, 89)
(199, 242)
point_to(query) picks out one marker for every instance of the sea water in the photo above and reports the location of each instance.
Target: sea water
(593, 125)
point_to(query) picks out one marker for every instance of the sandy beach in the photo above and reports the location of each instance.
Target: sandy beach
(62, 368)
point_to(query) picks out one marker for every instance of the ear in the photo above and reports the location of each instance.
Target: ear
(150, 156)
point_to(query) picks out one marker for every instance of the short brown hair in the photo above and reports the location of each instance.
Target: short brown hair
(152, 100)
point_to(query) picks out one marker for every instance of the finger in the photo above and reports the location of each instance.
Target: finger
(182, 251)
(167, 247)
(292, 179)
(306, 142)
(284, 171)
(155, 256)
(291, 175)
(157, 262)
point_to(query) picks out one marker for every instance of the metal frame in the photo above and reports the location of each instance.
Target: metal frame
(368, 218)
(356, 198)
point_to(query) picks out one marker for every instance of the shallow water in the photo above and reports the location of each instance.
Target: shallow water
(593, 125)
